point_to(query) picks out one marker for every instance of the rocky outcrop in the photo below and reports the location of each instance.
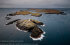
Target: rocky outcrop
(36, 14)
(50, 11)
(46, 11)
(36, 32)
(26, 25)
(20, 13)
(29, 25)
(23, 13)
(36, 22)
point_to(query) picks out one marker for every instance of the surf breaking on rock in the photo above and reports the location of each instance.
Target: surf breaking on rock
(29, 25)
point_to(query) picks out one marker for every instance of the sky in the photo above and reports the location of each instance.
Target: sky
(34, 3)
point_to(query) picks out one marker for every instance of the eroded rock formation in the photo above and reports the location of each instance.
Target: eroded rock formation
(29, 25)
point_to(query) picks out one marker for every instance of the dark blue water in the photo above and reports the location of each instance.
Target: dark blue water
(57, 28)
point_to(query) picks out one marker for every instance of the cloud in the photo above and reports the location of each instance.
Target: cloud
(34, 4)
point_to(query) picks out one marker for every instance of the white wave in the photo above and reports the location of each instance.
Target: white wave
(43, 25)
(44, 32)
(40, 38)
(20, 30)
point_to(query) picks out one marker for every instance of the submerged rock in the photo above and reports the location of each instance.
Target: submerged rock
(29, 25)
(36, 14)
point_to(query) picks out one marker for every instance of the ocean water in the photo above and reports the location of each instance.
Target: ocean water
(57, 28)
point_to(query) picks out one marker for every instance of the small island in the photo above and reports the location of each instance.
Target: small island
(50, 11)
(19, 13)
(25, 13)
(29, 25)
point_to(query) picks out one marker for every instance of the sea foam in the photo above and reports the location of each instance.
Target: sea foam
(40, 38)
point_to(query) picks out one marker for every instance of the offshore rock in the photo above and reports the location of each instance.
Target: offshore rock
(20, 13)
(50, 11)
(29, 25)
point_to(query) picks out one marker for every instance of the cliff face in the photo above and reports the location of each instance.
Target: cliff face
(36, 32)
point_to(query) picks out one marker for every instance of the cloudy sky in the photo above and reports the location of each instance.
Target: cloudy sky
(34, 3)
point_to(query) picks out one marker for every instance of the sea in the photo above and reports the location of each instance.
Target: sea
(57, 28)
